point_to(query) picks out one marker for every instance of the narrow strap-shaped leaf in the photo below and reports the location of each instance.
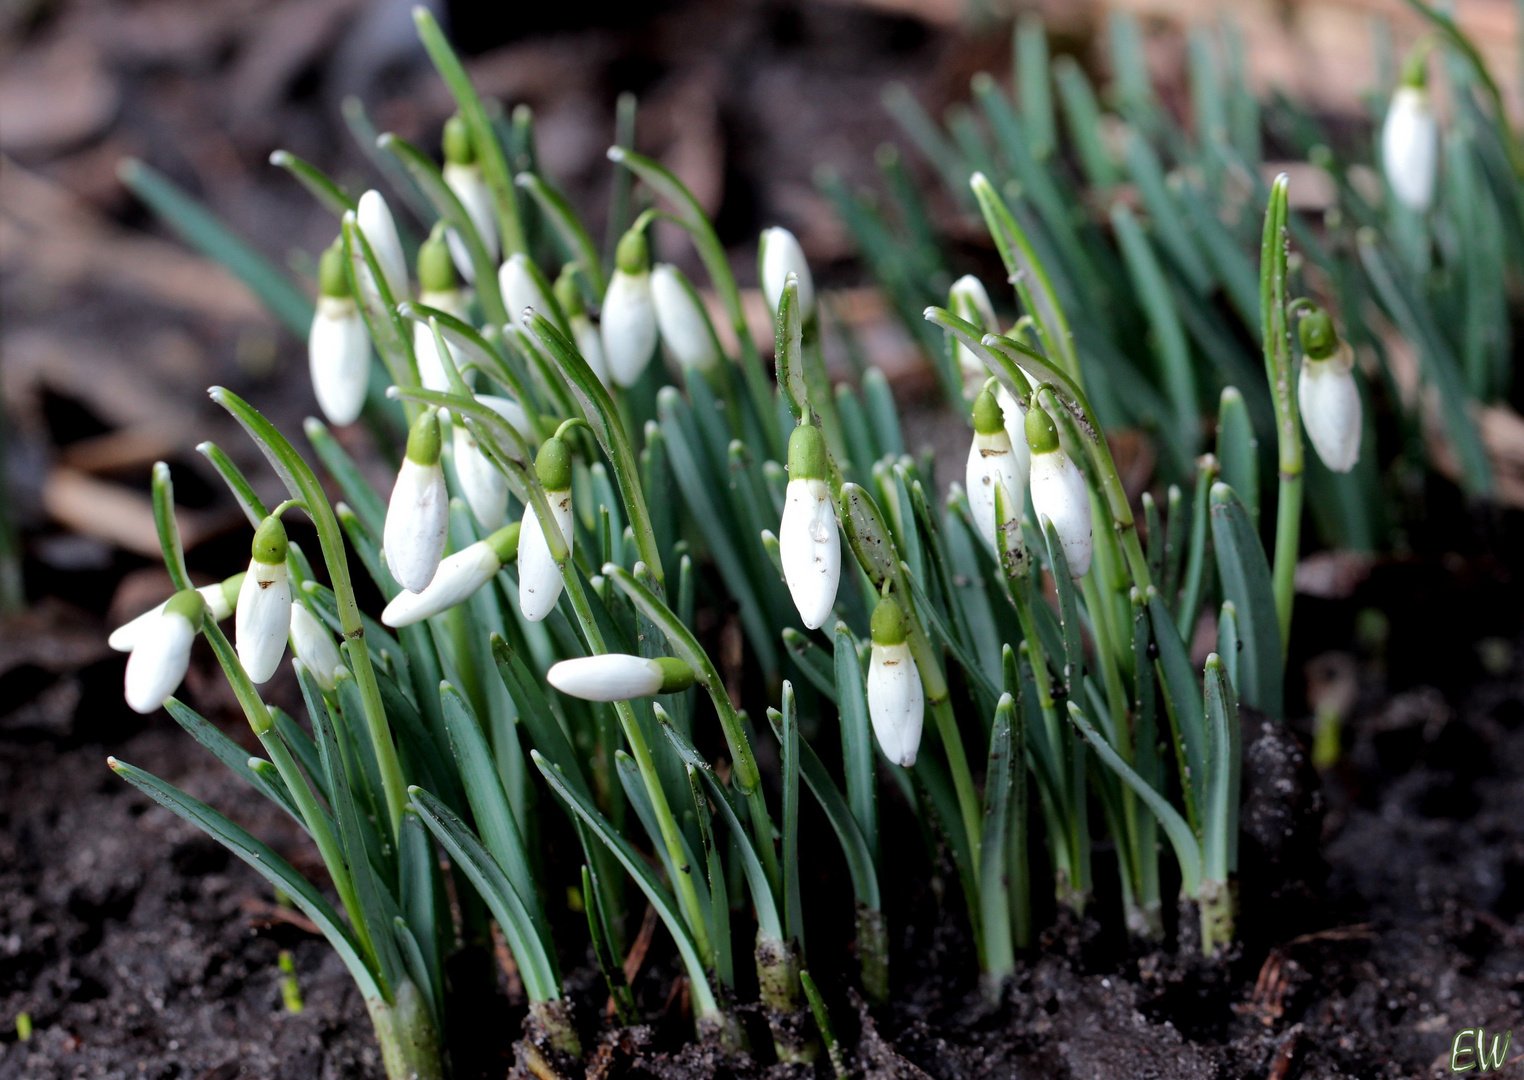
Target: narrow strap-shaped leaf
(1068, 608)
(1182, 701)
(878, 399)
(537, 715)
(316, 181)
(1200, 544)
(574, 235)
(994, 873)
(858, 764)
(1238, 450)
(786, 724)
(1082, 116)
(1220, 832)
(1245, 576)
(368, 504)
(420, 891)
(813, 661)
(243, 492)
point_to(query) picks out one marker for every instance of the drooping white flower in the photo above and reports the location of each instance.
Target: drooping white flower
(263, 619)
(619, 676)
(969, 300)
(161, 654)
(682, 320)
(482, 483)
(375, 220)
(991, 461)
(1016, 427)
(584, 334)
(463, 176)
(628, 322)
(896, 701)
(338, 344)
(458, 577)
(1327, 394)
(418, 515)
(437, 289)
(540, 579)
(313, 645)
(523, 287)
(778, 255)
(1410, 147)
(809, 545)
(220, 599)
(1058, 488)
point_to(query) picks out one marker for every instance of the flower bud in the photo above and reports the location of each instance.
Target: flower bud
(896, 702)
(263, 619)
(584, 334)
(1331, 410)
(375, 220)
(1058, 488)
(1016, 427)
(437, 289)
(417, 517)
(682, 320)
(463, 176)
(968, 300)
(809, 545)
(338, 345)
(161, 654)
(482, 483)
(1410, 146)
(619, 676)
(457, 578)
(220, 600)
(779, 254)
(540, 579)
(523, 287)
(312, 644)
(628, 322)
(991, 462)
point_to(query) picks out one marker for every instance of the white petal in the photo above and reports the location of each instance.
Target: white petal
(417, 522)
(628, 326)
(1015, 418)
(338, 354)
(539, 577)
(1331, 412)
(683, 325)
(263, 619)
(314, 646)
(520, 289)
(1410, 147)
(609, 677)
(457, 578)
(991, 461)
(590, 345)
(509, 410)
(1059, 495)
(809, 547)
(125, 637)
(782, 254)
(375, 220)
(472, 191)
(896, 702)
(431, 370)
(158, 661)
(481, 483)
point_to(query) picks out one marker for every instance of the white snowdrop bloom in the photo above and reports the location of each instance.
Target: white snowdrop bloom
(458, 577)
(682, 320)
(338, 344)
(375, 220)
(220, 600)
(437, 289)
(482, 483)
(263, 619)
(540, 579)
(1016, 427)
(523, 287)
(809, 545)
(896, 701)
(161, 654)
(969, 300)
(779, 254)
(584, 334)
(991, 461)
(418, 515)
(628, 321)
(313, 645)
(1327, 394)
(619, 676)
(463, 176)
(1058, 489)
(1410, 147)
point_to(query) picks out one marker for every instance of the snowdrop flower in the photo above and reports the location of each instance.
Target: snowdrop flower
(458, 577)
(778, 255)
(263, 619)
(539, 574)
(312, 644)
(161, 654)
(338, 345)
(896, 702)
(482, 483)
(1058, 490)
(619, 676)
(968, 300)
(684, 324)
(1327, 394)
(991, 462)
(809, 545)
(628, 322)
(220, 600)
(584, 334)
(1016, 427)
(375, 220)
(463, 175)
(437, 289)
(524, 286)
(1410, 138)
(418, 515)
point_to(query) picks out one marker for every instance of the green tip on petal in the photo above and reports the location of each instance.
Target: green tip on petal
(988, 419)
(889, 626)
(505, 542)
(1415, 69)
(332, 278)
(423, 441)
(568, 295)
(1319, 338)
(187, 602)
(553, 464)
(633, 256)
(807, 454)
(676, 675)
(1042, 436)
(270, 545)
(458, 149)
(436, 270)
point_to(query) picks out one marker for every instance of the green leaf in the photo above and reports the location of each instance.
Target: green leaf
(1032, 82)
(858, 765)
(1182, 703)
(994, 873)
(1220, 819)
(786, 725)
(1238, 450)
(316, 181)
(367, 503)
(814, 662)
(1245, 577)
(1082, 116)
(1068, 609)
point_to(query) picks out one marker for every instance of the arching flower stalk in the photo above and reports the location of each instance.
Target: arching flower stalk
(263, 619)
(418, 515)
(809, 545)
(338, 345)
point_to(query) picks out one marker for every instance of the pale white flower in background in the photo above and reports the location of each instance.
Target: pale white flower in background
(418, 514)
(313, 645)
(1410, 147)
(375, 220)
(1058, 490)
(992, 461)
(220, 600)
(681, 318)
(628, 321)
(779, 255)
